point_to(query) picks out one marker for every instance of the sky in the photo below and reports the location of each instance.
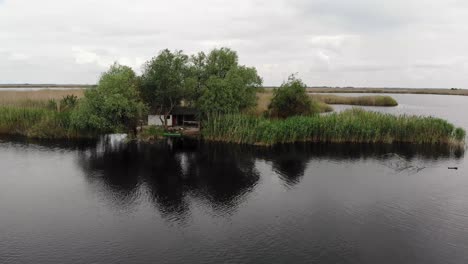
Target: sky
(367, 43)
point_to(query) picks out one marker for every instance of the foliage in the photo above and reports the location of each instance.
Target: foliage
(52, 104)
(213, 82)
(220, 61)
(224, 85)
(291, 99)
(352, 126)
(113, 106)
(151, 133)
(460, 134)
(197, 77)
(264, 100)
(68, 102)
(163, 82)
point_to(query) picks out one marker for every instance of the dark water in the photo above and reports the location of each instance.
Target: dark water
(188, 202)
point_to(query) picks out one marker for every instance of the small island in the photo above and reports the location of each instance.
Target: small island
(212, 96)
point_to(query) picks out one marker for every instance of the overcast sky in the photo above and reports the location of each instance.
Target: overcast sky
(385, 43)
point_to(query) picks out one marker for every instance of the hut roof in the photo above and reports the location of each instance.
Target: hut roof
(180, 110)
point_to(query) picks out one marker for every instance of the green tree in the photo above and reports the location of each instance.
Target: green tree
(164, 81)
(197, 77)
(220, 61)
(113, 106)
(224, 85)
(291, 99)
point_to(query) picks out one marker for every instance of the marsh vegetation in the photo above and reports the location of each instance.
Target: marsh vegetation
(352, 126)
(372, 100)
(35, 99)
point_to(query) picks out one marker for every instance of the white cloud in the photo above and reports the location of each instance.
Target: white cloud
(18, 56)
(83, 56)
(333, 42)
(328, 42)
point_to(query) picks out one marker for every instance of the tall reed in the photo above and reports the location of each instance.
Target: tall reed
(352, 126)
(36, 123)
(35, 99)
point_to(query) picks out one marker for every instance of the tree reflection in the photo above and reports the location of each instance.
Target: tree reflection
(177, 173)
(172, 174)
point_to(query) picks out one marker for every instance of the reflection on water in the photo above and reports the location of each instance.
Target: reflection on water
(60, 193)
(172, 171)
(222, 175)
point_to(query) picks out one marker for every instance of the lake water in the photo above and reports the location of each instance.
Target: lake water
(189, 202)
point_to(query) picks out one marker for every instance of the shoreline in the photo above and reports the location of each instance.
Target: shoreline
(458, 92)
(333, 90)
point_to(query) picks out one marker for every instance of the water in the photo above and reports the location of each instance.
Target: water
(188, 202)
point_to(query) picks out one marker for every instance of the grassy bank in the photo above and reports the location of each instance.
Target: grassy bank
(36, 114)
(375, 100)
(352, 126)
(34, 122)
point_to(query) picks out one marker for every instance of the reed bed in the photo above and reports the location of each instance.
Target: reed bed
(35, 99)
(373, 100)
(36, 123)
(352, 126)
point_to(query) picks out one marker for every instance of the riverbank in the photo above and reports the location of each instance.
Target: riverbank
(40, 123)
(352, 126)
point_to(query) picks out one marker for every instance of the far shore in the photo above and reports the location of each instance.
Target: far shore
(46, 86)
(450, 91)
(436, 91)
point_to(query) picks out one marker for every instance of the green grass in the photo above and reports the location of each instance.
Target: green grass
(321, 107)
(36, 123)
(352, 126)
(151, 133)
(374, 100)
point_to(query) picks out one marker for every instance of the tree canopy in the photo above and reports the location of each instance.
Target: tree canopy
(291, 99)
(163, 82)
(113, 106)
(213, 82)
(224, 85)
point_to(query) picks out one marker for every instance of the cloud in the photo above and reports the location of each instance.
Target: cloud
(18, 57)
(335, 43)
(104, 59)
(328, 42)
